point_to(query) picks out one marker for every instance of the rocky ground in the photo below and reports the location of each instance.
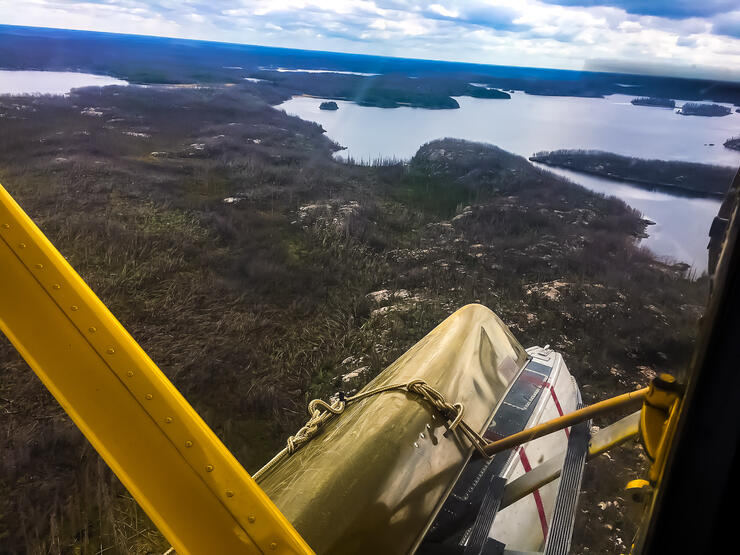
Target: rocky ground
(260, 273)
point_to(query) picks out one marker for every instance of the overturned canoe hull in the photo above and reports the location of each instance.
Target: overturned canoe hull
(373, 479)
(543, 390)
(525, 525)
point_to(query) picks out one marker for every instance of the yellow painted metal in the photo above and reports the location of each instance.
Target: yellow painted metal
(636, 485)
(602, 407)
(603, 440)
(614, 435)
(658, 420)
(191, 486)
(373, 479)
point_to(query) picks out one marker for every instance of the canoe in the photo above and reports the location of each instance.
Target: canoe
(389, 462)
(543, 390)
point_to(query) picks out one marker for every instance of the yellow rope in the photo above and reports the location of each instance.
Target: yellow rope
(321, 412)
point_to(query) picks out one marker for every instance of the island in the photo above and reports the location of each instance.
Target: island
(397, 81)
(329, 105)
(294, 270)
(654, 101)
(699, 109)
(688, 177)
(486, 92)
(733, 143)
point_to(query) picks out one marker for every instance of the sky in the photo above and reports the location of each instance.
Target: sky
(699, 38)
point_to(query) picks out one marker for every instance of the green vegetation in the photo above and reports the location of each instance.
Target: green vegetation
(486, 92)
(699, 109)
(424, 83)
(381, 91)
(733, 143)
(330, 105)
(697, 179)
(652, 101)
(241, 256)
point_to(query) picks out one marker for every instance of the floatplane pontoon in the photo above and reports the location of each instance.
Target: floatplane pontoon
(468, 443)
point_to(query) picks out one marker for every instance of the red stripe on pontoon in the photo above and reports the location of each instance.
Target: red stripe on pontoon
(536, 494)
(535, 380)
(557, 405)
(492, 435)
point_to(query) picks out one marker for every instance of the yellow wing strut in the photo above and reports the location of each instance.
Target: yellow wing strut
(190, 485)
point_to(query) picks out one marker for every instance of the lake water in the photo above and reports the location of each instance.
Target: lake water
(681, 223)
(527, 124)
(288, 70)
(50, 82)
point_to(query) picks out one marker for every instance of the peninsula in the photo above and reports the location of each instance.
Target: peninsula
(697, 179)
(708, 110)
(654, 101)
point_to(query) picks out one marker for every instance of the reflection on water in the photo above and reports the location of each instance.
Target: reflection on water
(526, 124)
(682, 223)
(288, 70)
(50, 82)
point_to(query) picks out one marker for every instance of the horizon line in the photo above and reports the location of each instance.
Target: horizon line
(381, 56)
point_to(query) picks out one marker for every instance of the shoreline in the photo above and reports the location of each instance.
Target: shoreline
(677, 190)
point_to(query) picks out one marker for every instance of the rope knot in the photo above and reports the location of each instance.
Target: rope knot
(321, 412)
(453, 412)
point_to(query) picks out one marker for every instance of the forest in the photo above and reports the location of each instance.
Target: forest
(388, 81)
(707, 110)
(652, 101)
(258, 272)
(733, 143)
(687, 177)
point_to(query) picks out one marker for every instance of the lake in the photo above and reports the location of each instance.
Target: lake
(528, 123)
(50, 82)
(681, 223)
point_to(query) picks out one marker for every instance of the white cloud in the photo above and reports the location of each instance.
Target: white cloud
(630, 26)
(441, 10)
(525, 32)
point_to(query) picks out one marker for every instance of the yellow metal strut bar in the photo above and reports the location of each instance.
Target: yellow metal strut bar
(191, 486)
(603, 440)
(652, 423)
(597, 409)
